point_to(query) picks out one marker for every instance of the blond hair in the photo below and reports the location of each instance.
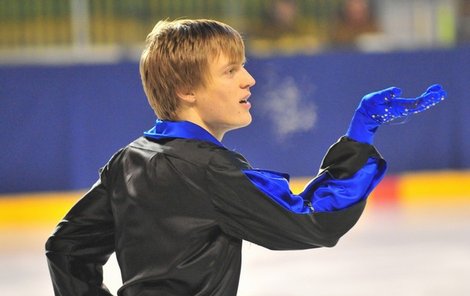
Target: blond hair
(176, 59)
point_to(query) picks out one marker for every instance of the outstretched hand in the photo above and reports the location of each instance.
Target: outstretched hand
(384, 106)
(387, 105)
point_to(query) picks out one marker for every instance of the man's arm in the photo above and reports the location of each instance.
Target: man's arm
(258, 205)
(81, 245)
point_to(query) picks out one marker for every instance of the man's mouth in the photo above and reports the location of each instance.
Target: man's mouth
(245, 99)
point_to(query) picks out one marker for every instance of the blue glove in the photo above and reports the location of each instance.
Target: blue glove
(385, 106)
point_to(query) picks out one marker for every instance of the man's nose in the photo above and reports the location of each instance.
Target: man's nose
(248, 80)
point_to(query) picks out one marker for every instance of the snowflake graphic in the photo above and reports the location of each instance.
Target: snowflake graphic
(289, 109)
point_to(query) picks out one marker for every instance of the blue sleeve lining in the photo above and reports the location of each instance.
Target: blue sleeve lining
(331, 194)
(276, 186)
(323, 193)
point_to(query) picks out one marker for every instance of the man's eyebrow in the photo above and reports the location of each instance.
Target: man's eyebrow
(237, 63)
(231, 64)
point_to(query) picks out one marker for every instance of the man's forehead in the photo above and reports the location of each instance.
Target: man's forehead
(227, 59)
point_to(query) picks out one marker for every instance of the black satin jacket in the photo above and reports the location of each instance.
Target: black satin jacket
(175, 211)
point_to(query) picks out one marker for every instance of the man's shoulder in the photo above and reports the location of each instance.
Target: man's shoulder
(194, 151)
(201, 153)
(228, 159)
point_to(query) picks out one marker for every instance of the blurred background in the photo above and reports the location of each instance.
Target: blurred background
(70, 96)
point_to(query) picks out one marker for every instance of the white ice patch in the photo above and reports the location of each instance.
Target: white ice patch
(288, 108)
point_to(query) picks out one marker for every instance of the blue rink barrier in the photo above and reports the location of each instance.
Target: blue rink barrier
(60, 124)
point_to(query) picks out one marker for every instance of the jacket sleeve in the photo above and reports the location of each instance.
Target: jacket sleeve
(258, 206)
(81, 245)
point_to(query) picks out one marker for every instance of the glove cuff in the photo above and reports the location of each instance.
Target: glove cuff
(362, 128)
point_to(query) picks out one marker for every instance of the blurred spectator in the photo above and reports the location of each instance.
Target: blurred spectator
(280, 19)
(282, 29)
(463, 36)
(355, 20)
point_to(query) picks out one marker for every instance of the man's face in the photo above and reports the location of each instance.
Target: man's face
(223, 104)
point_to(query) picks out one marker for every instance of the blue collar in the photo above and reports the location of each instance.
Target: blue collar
(164, 129)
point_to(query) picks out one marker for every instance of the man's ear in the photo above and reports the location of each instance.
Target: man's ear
(187, 96)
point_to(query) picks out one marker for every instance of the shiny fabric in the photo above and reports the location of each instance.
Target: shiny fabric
(165, 129)
(329, 194)
(175, 211)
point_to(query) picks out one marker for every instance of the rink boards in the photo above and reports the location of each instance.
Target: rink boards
(410, 190)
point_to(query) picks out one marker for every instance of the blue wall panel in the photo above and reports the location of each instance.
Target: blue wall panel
(59, 124)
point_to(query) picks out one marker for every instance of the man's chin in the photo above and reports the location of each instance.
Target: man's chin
(242, 124)
(247, 122)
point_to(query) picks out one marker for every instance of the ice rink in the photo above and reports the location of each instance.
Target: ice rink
(399, 252)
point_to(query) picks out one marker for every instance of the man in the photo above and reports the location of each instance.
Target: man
(176, 204)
